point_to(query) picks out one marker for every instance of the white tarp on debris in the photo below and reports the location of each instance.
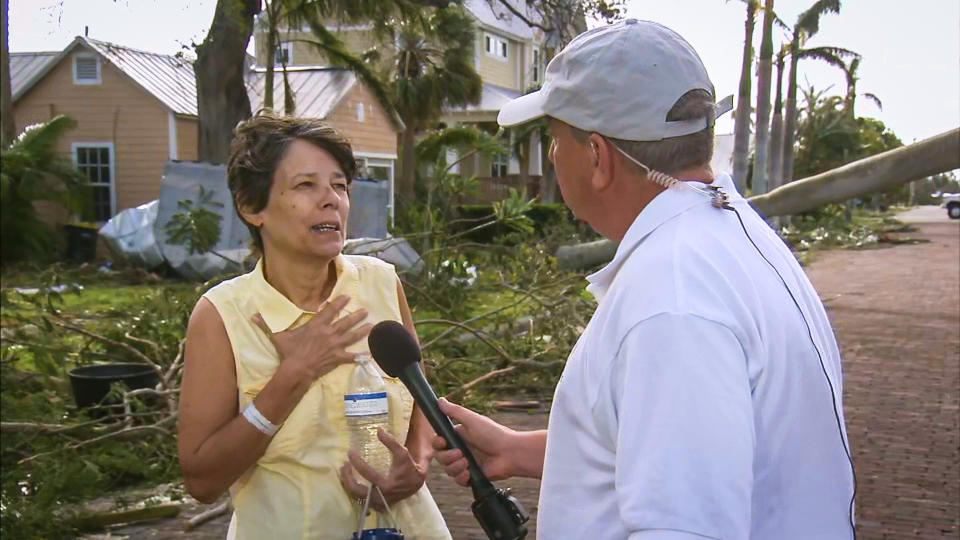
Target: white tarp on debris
(130, 234)
(396, 251)
(139, 234)
(183, 181)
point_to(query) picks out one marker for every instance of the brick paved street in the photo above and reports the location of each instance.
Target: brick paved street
(896, 311)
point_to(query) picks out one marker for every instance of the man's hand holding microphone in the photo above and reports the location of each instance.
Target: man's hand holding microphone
(501, 452)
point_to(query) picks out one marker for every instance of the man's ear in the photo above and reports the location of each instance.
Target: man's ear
(601, 154)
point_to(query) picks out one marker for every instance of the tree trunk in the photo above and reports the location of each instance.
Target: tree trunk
(790, 117)
(406, 184)
(775, 156)
(8, 130)
(873, 174)
(741, 137)
(222, 100)
(765, 67)
(268, 75)
(869, 175)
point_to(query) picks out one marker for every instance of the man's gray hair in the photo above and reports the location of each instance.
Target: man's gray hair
(677, 153)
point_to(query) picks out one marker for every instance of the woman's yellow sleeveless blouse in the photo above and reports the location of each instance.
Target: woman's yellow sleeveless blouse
(293, 491)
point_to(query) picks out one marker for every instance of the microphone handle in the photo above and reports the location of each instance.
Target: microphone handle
(423, 395)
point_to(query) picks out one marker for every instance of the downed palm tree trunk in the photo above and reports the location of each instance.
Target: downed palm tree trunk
(931, 156)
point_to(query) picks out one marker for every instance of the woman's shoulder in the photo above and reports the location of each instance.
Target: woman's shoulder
(227, 289)
(366, 264)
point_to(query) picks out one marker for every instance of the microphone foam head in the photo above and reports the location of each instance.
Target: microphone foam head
(393, 347)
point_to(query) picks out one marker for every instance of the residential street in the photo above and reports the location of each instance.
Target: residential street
(896, 311)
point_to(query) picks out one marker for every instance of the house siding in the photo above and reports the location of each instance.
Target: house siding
(188, 139)
(376, 134)
(495, 70)
(117, 111)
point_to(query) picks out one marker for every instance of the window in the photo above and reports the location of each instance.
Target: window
(498, 167)
(536, 65)
(361, 113)
(86, 69)
(284, 54)
(496, 47)
(95, 161)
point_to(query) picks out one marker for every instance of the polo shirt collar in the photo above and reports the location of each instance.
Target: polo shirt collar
(665, 206)
(278, 311)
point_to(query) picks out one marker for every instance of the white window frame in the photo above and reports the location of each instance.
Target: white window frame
(98, 80)
(286, 47)
(499, 165)
(382, 160)
(113, 167)
(361, 112)
(536, 74)
(497, 46)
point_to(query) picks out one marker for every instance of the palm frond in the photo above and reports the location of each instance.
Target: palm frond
(809, 21)
(337, 53)
(433, 145)
(873, 97)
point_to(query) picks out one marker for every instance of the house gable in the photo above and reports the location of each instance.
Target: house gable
(115, 113)
(361, 118)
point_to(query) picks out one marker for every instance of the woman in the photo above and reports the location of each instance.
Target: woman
(269, 354)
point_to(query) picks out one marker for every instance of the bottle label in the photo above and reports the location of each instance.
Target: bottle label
(365, 404)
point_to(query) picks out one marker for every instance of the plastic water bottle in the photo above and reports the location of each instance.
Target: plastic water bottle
(367, 409)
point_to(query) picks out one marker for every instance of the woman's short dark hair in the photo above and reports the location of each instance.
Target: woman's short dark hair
(257, 148)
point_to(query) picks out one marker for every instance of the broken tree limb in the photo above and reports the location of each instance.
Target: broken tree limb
(883, 171)
(207, 515)
(876, 173)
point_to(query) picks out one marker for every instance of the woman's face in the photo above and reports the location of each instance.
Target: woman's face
(306, 214)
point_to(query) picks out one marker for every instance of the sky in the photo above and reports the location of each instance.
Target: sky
(911, 50)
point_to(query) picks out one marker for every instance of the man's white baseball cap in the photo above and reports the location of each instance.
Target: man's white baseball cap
(619, 81)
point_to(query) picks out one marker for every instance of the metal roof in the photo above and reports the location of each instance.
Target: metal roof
(25, 66)
(168, 78)
(171, 80)
(492, 99)
(500, 18)
(316, 90)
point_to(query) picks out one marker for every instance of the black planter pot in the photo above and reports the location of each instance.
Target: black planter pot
(92, 383)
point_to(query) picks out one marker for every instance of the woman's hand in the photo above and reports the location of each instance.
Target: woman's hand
(402, 480)
(315, 348)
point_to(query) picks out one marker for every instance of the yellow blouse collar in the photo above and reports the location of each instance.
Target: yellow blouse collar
(278, 311)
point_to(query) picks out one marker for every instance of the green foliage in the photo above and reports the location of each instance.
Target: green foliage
(37, 494)
(194, 226)
(31, 170)
(828, 136)
(837, 226)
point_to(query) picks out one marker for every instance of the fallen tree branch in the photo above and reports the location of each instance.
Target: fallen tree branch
(483, 378)
(125, 432)
(207, 515)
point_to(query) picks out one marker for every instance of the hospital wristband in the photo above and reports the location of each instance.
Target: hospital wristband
(256, 418)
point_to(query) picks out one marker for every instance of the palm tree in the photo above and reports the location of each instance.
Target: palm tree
(851, 97)
(775, 162)
(431, 70)
(741, 131)
(808, 24)
(765, 66)
(32, 170)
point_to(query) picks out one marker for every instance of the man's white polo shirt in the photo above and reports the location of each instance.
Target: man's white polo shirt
(694, 405)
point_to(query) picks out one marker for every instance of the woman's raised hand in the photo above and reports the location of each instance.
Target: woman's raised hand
(317, 347)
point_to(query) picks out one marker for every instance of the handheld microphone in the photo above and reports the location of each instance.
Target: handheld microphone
(500, 514)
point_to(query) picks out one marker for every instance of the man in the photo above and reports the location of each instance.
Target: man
(703, 400)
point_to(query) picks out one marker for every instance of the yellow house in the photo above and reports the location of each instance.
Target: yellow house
(337, 96)
(137, 110)
(134, 110)
(508, 56)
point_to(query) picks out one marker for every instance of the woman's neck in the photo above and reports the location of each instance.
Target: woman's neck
(305, 283)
